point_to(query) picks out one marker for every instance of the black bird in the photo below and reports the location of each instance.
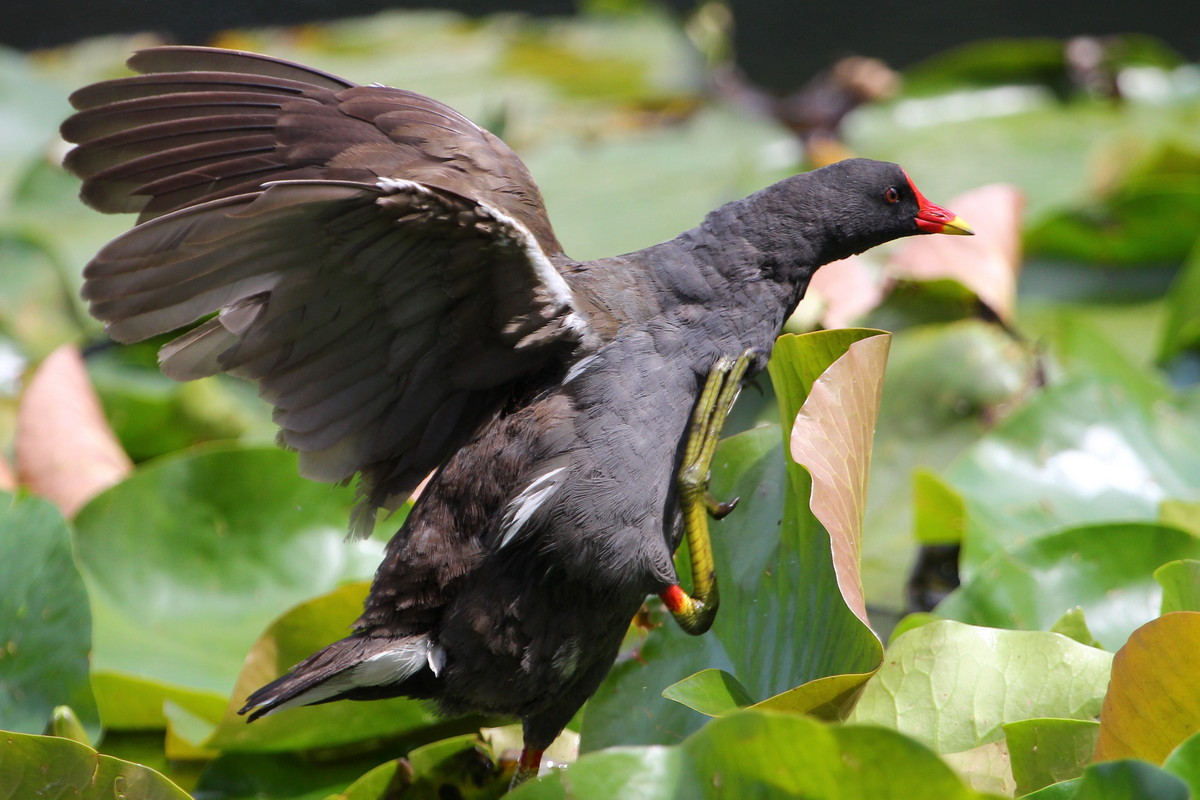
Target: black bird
(384, 270)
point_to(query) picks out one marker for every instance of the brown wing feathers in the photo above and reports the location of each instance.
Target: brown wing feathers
(347, 298)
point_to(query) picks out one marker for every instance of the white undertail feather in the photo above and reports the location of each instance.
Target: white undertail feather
(387, 668)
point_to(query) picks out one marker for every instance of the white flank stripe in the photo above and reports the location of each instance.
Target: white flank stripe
(523, 506)
(436, 656)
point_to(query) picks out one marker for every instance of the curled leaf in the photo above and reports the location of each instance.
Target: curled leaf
(986, 263)
(66, 451)
(1153, 701)
(831, 437)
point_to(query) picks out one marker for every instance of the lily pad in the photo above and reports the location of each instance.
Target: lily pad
(45, 621)
(52, 767)
(1180, 582)
(953, 686)
(1153, 703)
(1107, 570)
(762, 754)
(1082, 451)
(711, 691)
(297, 634)
(189, 558)
(1046, 751)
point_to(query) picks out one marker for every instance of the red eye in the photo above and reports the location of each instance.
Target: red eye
(891, 195)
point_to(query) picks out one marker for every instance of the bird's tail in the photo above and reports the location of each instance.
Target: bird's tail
(360, 666)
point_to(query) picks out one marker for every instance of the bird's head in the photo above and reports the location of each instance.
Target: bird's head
(866, 203)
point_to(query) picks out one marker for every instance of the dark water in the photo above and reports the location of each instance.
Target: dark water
(780, 43)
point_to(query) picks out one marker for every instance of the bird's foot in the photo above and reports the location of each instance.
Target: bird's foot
(694, 615)
(527, 767)
(695, 612)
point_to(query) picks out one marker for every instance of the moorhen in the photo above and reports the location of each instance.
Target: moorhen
(384, 270)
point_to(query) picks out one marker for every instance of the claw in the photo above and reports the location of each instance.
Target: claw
(718, 510)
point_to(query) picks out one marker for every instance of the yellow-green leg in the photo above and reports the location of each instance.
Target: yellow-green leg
(695, 612)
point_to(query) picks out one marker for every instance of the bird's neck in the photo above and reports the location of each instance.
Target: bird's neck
(753, 240)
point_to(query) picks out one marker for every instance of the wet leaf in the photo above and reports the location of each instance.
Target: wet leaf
(1153, 701)
(65, 448)
(952, 686)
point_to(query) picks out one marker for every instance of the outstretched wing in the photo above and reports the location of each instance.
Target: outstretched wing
(379, 265)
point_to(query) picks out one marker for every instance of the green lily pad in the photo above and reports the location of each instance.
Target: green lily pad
(45, 621)
(762, 754)
(297, 634)
(945, 385)
(711, 691)
(952, 686)
(1184, 762)
(1180, 582)
(52, 767)
(189, 558)
(1129, 779)
(1073, 624)
(1104, 569)
(1081, 451)
(1046, 751)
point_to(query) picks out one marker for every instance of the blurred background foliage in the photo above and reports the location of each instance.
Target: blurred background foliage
(1038, 440)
